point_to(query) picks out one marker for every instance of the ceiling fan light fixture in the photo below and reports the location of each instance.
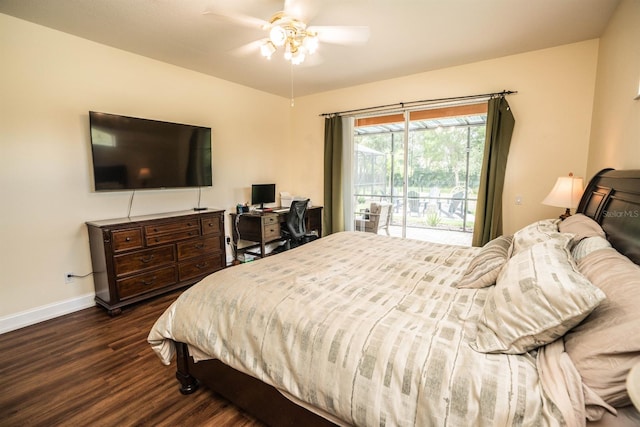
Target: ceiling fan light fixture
(267, 49)
(310, 43)
(278, 35)
(298, 57)
(290, 34)
(288, 54)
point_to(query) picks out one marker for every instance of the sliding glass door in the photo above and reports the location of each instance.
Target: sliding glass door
(424, 164)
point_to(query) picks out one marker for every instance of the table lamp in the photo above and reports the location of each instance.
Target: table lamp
(566, 193)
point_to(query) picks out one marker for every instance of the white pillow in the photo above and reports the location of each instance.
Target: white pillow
(539, 295)
(536, 232)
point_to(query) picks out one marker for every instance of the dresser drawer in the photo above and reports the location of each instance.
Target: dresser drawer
(211, 225)
(175, 227)
(143, 260)
(198, 247)
(173, 237)
(126, 239)
(200, 266)
(147, 282)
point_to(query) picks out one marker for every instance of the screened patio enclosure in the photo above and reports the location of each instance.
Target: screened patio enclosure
(429, 174)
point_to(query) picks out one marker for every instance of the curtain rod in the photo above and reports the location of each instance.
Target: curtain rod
(416, 103)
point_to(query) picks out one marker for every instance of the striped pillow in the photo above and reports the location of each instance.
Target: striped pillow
(588, 245)
(485, 267)
(539, 295)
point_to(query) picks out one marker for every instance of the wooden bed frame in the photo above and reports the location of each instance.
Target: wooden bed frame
(612, 198)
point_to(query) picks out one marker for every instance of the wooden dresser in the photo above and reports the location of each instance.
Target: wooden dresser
(140, 257)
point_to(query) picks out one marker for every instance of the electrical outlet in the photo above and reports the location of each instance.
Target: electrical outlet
(68, 277)
(228, 240)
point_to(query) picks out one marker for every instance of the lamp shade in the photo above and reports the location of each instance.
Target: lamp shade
(566, 193)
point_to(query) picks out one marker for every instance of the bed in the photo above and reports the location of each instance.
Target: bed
(535, 328)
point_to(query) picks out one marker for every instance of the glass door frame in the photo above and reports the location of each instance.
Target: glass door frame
(349, 159)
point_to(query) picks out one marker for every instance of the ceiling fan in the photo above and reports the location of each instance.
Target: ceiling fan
(287, 30)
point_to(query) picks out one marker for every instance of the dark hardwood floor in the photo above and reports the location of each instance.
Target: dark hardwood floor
(87, 368)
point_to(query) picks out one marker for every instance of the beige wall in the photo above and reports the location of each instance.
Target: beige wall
(615, 134)
(48, 82)
(552, 110)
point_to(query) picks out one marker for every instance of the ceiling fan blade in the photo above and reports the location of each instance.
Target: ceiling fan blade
(312, 60)
(341, 34)
(236, 18)
(249, 48)
(301, 10)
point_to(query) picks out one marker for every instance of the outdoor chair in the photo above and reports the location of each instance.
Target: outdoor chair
(378, 217)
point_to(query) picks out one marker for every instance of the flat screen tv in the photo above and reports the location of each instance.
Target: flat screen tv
(132, 153)
(263, 193)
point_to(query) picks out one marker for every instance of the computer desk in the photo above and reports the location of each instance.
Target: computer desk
(265, 227)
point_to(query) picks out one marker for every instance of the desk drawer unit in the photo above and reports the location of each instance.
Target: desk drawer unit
(139, 258)
(270, 227)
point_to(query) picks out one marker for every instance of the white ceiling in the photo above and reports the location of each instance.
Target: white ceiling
(405, 36)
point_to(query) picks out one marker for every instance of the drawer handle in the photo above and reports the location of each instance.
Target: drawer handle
(201, 266)
(147, 259)
(127, 239)
(210, 224)
(200, 246)
(150, 281)
(155, 229)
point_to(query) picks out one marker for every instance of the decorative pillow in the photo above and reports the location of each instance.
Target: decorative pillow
(485, 267)
(588, 245)
(582, 226)
(536, 232)
(607, 344)
(539, 295)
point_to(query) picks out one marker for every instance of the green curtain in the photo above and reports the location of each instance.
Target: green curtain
(333, 218)
(500, 123)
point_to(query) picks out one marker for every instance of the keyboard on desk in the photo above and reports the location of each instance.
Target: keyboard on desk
(281, 210)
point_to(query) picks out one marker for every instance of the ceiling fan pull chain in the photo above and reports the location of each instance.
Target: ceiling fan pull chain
(292, 102)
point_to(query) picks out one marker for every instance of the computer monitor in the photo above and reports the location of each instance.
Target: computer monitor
(263, 193)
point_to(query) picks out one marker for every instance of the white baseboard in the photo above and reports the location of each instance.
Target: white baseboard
(45, 312)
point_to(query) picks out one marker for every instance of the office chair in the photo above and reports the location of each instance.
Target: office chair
(296, 229)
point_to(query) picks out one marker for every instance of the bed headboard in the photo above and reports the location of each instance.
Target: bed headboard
(612, 198)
